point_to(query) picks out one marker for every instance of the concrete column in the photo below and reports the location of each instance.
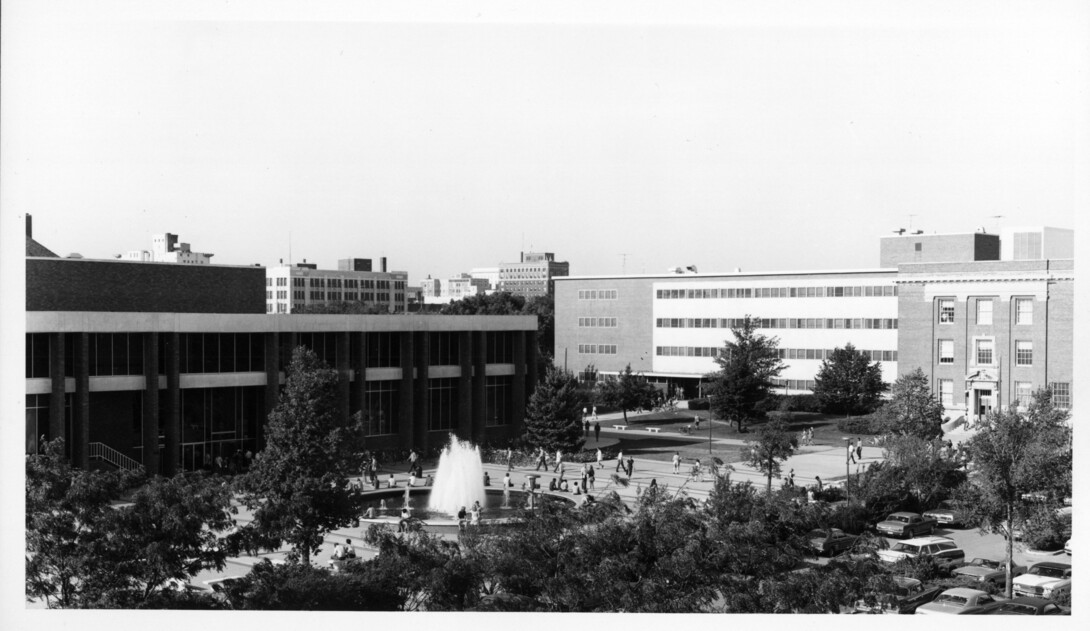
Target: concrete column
(407, 413)
(480, 393)
(421, 411)
(343, 384)
(358, 345)
(172, 414)
(469, 416)
(81, 416)
(56, 386)
(520, 382)
(150, 425)
(272, 383)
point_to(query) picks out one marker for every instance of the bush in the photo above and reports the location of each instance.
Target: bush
(856, 425)
(1047, 531)
(799, 403)
(922, 568)
(699, 404)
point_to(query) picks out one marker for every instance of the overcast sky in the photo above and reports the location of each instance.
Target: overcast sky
(770, 136)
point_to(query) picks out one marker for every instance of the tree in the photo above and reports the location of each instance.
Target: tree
(912, 408)
(1016, 453)
(70, 557)
(298, 484)
(544, 308)
(774, 443)
(746, 369)
(848, 383)
(498, 303)
(349, 307)
(170, 531)
(553, 415)
(627, 391)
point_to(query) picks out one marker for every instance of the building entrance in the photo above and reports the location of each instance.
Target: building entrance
(983, 403)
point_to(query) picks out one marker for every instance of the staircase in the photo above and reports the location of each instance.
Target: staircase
(108, 454)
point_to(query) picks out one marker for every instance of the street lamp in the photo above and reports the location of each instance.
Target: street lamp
(847, 469)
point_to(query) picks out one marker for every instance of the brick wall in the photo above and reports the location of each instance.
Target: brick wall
(128, 286)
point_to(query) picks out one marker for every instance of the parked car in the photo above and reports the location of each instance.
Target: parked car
(989, 571)
(961, 601)
(1026, 606)
(830, 541)
(910, 594)
(907, 525)
(1067, 547)
(1047, 579)
(946, 514)
(944, 551)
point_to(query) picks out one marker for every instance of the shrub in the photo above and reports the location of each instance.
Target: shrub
(799, 403)
(922, 568)
(856, 425)
(699, 404)
(1047, 531)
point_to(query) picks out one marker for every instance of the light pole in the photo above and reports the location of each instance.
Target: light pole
(847, 469)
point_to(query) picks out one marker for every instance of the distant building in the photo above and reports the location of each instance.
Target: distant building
(33, 248)
(532, 276)
(490, 274)
(441, 291)
(166, 249)
(289, 287)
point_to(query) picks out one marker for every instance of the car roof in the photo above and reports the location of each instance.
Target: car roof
(920, 541)
(907, 581)
(1053, 564)
(965, 591)
(905, 513)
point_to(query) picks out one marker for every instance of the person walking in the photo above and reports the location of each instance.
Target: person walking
(599, 456)
(851, 452)
(790, 478)
(677, 462)
(620, 460)
(858, 448)
(509, 458)
(559, 455)
(412, 460)
(630, 466)
(597, 431)
(820, 484)
(594, 412)
(541, 460)
(586, 427)
(590, 476)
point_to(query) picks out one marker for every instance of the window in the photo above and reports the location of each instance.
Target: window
(443, 403)
(946, 311)
(946, 392)
(984, 351)
(1061, 395)
(1023, 353)
(984, 311)
(946, 351)
(1023, 311)
(1023, 393)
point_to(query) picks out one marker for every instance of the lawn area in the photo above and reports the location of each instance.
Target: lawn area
(825, 431)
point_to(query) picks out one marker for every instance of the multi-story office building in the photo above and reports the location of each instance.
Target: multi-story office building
(987, 331)
(166, 249)
(171, 366)
(439, 291)
(290, 287)
(532, 276)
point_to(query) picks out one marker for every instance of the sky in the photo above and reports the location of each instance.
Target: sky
(768, 136)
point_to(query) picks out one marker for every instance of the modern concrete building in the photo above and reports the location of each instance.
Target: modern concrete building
(166, 249)
(290, 287)
(532, 276)
(442, 291)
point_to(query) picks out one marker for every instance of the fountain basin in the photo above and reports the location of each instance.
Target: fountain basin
(493, 508)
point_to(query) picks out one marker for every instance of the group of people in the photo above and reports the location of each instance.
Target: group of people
(806, 436)
(237, 463)
(855, 450)
(586, 427)
(473, 517)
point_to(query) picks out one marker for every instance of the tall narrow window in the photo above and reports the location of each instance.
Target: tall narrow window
(946, 392)
(1023, 311)
(1061, 395)
(1023, 392)
(946, 310)
(946, 351)
(984, 311)
(984, 351)
(1023, 353)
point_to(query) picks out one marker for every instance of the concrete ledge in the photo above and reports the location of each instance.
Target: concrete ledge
(620, 427)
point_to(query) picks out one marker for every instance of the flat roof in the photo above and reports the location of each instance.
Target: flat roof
(128, 262)
(707, 275)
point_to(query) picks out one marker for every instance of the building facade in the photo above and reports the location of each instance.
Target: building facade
(532, 276)
(291, 287)
(172, 391)
(166, 249)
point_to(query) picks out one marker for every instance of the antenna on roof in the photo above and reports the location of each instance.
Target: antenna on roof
(899, 231)
(624, 260)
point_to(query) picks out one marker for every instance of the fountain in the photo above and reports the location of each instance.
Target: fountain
(459, 479)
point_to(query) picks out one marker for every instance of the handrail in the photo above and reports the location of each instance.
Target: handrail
(112, 456)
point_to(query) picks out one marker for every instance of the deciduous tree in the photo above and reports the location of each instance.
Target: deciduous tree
(848, 383)
(626, 391)
(744, 379)
(298, 485)
(912, 408)
(774, 443)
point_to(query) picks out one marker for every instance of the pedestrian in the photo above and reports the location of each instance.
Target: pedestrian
(541, 460)
(559, 455)
(791, 478)
(594, 412)
(677, 462)
(487, 480)
(509, 458)
(412, 478)
(696, 421)
(412, 459)
(393, 482)
(851, 452)
(586, 427)
(859, 448)
(374, 471)
(590, 477)
(820, 484)
(585, 415)
(583, 480)
(630, 465)
(620, 460)
(506, 481)
(599, 456)
(428, 481)
(597, 431)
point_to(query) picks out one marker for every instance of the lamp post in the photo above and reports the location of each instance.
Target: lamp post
(847, 469)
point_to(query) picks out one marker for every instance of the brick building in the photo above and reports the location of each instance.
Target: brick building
(532, 276)
(291, 287)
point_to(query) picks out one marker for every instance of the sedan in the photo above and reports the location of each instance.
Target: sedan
(946, 514)
(1026, 606)
(909, 594)
(960, 601)
(904, 524)
(831, 541)
(987, 570)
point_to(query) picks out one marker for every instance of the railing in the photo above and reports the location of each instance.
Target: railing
(112, 456)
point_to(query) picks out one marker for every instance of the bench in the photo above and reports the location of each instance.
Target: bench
(620, 427)
(654, 429)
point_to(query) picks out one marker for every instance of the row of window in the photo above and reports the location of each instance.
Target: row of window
(1023, 393)
(777, 323)
(777, 292)
(348, 283)
(598, 322)
(598, 349)
(597, 294)
(795, 384)
(280, 282)
(784, 353)
(984, 350)
(985, 307)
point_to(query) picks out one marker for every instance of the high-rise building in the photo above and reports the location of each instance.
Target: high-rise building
(532, 276)
(290, 287)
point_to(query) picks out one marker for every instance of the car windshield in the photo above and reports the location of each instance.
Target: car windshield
(952, 599)
(1051, 572)
(1018, 609)
(906, 547)
(995, 565)
(900, 518)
